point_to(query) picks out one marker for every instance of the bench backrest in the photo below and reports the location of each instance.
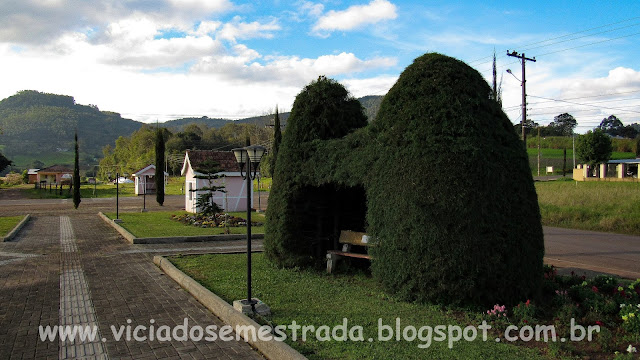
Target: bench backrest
(354, 238)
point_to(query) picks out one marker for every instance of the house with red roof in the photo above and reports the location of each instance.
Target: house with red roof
(198, 164)
(56, 174)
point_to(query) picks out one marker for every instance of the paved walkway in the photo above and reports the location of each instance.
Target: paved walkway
(72, 269)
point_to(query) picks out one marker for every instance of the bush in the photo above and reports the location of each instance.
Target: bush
(439, 180)
(12, 179)
(454, 207)
(296, 230)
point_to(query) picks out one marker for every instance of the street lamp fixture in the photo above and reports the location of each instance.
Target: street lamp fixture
(248, 159)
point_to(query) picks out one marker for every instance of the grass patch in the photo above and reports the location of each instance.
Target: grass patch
(7, 223)
(160, 224)
(175, 186)
(314, 298)
(598, 206)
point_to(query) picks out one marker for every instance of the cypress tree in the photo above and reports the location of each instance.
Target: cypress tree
(159, 177)
(76, 176)
(277, 139)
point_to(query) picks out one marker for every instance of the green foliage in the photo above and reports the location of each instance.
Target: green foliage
(130, 153)
(277, 139)
(76, 175)
(204, 202)
(440, 180)
(4, 162)
(296, 234)
(36, 123)
(453, 205)
(594, 147)
(159, 175)
(637, 147)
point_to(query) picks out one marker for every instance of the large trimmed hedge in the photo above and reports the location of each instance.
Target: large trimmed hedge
(446, 186)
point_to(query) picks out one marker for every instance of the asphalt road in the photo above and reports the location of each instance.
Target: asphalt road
(595, 251)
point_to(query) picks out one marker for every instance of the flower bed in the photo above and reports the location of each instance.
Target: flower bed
(218, 220)
(610, 304)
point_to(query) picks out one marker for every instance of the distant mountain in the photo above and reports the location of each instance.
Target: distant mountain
(370, 103)
(40, 126)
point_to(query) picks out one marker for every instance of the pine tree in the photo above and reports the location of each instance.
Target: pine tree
(159, 177)
(76, 176)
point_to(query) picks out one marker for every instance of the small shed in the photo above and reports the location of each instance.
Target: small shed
(54, 174)
(33, 175)
(145, 179)
(195, 164)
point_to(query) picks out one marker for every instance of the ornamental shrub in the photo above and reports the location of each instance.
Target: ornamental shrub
(452, 205)
(439, 180)
(298, 227)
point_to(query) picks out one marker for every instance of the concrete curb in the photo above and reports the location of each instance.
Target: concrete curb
(173, 239)
(275, 350)
(127, 235)
(17, 228)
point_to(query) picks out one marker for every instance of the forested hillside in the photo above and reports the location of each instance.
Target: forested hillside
(40, 126)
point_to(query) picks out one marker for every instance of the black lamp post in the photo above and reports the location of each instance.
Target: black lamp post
(251, 156)
(117, 196)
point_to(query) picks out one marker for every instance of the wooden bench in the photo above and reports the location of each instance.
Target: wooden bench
(347, 238)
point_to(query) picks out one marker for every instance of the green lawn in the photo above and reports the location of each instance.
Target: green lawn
(599, 206)
(160, 224)
(8, 223)
(103, 190)
(314, 298)
(559, 154)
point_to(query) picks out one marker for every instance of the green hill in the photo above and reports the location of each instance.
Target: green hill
(40, 126)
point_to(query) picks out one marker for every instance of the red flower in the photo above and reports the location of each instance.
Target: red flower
(528, 302)
(599, 323)
(594, 289)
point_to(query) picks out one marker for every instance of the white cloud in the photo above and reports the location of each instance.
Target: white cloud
(311, 9)
(378, 85)
(356, 16)
(289, 70)
(238, 30)
(207, 6)
(207, 28)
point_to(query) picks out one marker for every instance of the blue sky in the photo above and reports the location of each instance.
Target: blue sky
(223, 58)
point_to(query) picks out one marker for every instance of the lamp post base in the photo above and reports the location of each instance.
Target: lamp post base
(117, 221)
(245, 307)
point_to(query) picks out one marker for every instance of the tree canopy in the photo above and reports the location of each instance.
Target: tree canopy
(594, 147)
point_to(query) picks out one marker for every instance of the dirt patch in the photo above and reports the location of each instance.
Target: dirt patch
(12, 194)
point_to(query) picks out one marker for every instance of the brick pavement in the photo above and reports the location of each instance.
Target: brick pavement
(72, 268)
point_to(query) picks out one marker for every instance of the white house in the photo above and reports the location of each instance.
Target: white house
(196, 163)
(145, 178)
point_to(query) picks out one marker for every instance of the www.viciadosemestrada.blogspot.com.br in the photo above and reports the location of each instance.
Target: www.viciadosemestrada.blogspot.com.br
(424, 336)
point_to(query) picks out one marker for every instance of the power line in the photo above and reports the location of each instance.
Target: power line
(575, 103)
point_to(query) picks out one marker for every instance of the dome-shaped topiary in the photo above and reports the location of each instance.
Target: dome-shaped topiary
(295, 229)
(452, 204)
(440, 180)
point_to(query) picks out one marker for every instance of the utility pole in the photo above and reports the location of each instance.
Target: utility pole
(523, 83)
(538, 150)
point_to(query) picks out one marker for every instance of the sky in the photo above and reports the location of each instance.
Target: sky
(167, 59)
